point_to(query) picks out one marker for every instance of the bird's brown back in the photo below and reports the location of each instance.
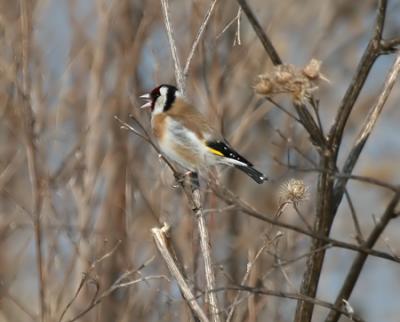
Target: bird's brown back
(192, 119)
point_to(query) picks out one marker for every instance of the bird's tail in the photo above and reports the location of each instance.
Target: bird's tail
(257, 176)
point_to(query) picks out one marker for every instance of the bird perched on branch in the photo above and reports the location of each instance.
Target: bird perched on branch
(185, 136)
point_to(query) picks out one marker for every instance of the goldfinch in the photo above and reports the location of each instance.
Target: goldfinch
(184, 135)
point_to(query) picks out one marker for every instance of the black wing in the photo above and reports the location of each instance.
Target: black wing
(223, 149)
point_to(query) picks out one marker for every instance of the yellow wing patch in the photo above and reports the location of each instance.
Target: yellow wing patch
(216, 152)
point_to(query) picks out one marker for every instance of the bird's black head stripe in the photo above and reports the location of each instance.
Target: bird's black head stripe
(171, 95)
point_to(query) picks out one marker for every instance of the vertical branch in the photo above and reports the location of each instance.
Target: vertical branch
(197, 40)
(93, 139)
(265, 41)
(368, 59)
(159, 236)
(326, 206)
(206, 251)
(29, 133)
(322, 225)
(359, 261)
(366, 129)
(171, 39)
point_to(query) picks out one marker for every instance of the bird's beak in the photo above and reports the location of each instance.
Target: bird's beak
(148, 100)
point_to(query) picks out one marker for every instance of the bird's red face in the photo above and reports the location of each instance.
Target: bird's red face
(160, 98)
(151, 98)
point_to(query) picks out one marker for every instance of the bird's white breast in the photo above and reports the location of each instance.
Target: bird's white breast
(182, 145)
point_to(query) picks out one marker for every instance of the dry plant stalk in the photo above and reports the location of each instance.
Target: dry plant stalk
(206, 252)
(160, 238)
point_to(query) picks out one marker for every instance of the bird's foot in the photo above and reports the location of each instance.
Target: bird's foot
(180, 178)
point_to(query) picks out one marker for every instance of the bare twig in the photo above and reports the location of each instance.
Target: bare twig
(206, 252)
(146, 136)
(249, 267)
(265, 41)
(357, 227)
(391, 44)
(238, 40)
(367, 128)
(31, 148)
(295, 296)
(198, 37)
(171, 39)
(358, 263)
(86, 277)
(369, 57)
(326, 206)
(232, 199)
(279, 106)
(98, 299)
(369, 180)
(230, 23)
(160, 238)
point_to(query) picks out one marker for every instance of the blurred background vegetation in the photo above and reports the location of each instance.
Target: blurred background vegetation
(75, 187)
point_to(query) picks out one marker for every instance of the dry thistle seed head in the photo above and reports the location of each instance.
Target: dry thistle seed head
(312, 70)
(293, 190)
(263, 86)
(300, 83)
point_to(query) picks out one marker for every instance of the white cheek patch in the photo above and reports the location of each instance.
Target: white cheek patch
(159, 104)
(163, 91)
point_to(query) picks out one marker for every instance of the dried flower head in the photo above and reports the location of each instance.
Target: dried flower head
(299, 82)
(294, 190)
(312, 70)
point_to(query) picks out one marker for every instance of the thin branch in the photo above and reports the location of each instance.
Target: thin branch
(359, 261)
(230, 23)
(230, 198)
(367, 128)
(86, 277)
(294, 296)
(198, 37)
(171, 39)
(357, 227)
(98, 299)
(146, 136)
(369, 57)
(306, 119)
(160, 238)
(206, 252)
(265, 41)
(31, 148)
(238, 40)
(279, 106)
(391, 44)
(303, 218)
(249, 267)
(369, 180)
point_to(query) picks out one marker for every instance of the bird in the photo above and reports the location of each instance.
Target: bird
(184, 135)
